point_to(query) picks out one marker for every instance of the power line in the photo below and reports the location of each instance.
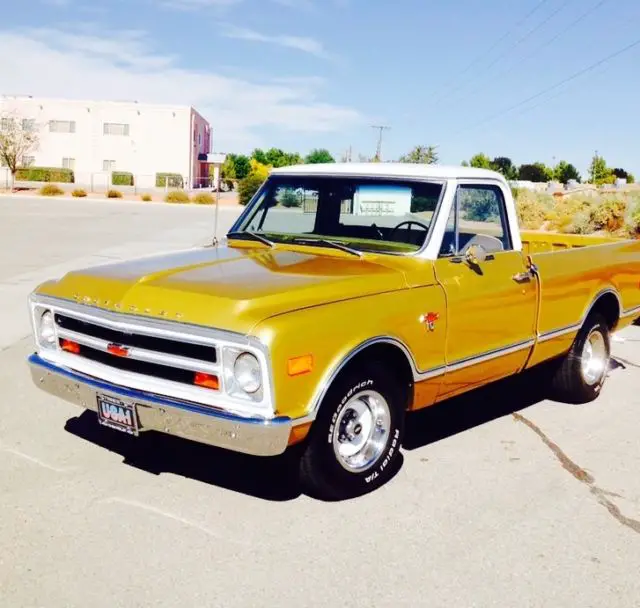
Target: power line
(544, 45)
(496, 44)
(590, 68)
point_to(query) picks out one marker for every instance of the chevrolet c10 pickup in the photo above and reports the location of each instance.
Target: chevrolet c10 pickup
(343, 297)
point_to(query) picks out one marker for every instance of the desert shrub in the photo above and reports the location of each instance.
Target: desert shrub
(146, 197)
(479, 207)
(79, 193)
(172, 180)
(45, 174)
(203, 198)
(114, 194)
(571, 215)
(609, 215)
(177, 196)
(248, 187)
(122, 178)
(532, 209)
(51, 190)
(290, 199)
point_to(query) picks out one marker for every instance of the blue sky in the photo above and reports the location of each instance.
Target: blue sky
(298, 74)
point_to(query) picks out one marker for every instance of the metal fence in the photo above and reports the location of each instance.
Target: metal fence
(101, 182)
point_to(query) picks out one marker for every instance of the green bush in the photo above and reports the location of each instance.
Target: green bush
(290, 199)
(122, 178)
(204, 198)
(177, 196)
(146, 197)
(79, 193)
(248, 187)
(45, 174)
(173, 180)
(51, 190)
(114, 194)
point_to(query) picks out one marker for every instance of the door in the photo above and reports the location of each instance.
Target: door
(491, 304)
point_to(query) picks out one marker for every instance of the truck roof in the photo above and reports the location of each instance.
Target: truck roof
(407, 170)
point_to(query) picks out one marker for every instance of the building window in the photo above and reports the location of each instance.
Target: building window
(27, 161)
(69, 163)
(113, 128)
(28, 124)
(62, 126)
(108, 165)
(5, 124)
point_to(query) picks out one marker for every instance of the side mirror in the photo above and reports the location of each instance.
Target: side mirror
(475, 255)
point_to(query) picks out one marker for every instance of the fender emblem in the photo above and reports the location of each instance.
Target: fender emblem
(117, 350)
(430, 320)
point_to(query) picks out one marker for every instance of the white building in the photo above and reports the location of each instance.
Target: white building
(95, 138)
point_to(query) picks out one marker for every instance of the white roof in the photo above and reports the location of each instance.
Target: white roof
(409, 170)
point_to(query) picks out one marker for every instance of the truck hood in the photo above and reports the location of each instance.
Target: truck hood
(226, 288)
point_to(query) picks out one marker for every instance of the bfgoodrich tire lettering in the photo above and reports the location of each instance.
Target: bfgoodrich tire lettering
(355, 441)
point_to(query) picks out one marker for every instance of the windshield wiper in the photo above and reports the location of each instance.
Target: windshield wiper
(326, 242)
(252, 236)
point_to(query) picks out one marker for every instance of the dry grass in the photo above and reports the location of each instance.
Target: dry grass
(146, 198)
(203, 198)
(51, 190)
(177, 196)
(79, 193)
(114, 194)
(614, 214)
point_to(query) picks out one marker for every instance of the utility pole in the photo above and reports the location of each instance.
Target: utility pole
(381, 128)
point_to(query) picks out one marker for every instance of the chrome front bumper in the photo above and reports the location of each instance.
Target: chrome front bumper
(254, 436)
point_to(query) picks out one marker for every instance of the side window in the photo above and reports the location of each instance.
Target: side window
(479, 216)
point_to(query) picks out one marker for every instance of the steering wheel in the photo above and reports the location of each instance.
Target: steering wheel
(409, 223)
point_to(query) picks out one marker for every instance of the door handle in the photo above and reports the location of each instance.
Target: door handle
(522, 277)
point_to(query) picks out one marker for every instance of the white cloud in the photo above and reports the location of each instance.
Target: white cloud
(300, 43)
(117, 65)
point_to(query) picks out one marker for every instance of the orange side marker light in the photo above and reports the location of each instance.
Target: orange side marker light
(300, 365)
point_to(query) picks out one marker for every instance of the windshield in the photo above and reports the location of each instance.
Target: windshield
(363, 214)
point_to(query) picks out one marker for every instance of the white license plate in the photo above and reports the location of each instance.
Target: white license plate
(117, 415)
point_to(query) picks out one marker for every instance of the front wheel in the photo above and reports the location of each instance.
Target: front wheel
(582, 373)
(355, 440)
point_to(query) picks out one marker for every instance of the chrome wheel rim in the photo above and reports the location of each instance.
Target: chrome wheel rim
(594, 360)
(361, 431)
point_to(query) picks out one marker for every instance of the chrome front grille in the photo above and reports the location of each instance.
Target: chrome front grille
(137, 352)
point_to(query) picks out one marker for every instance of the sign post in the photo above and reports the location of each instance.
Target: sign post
(217, 160)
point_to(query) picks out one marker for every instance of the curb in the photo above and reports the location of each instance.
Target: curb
(122, 201)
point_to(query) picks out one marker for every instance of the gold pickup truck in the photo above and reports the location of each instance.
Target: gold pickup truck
(343, 297)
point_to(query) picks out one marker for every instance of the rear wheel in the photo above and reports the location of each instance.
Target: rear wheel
(355, 440)
(583, 371)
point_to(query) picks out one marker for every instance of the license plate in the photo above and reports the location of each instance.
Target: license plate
(117, 415)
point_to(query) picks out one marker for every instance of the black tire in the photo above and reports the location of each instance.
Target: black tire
(322, 474)
(568, 381)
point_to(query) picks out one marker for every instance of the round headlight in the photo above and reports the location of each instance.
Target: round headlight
(246, 371)
(47, 329)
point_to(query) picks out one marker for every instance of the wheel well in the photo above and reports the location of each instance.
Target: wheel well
(608, 306)
(394, 359)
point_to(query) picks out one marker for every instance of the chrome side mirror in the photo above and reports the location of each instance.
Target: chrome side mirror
(475, 255)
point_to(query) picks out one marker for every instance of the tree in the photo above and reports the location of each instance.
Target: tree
(565, 171)
(18, 138)
(505, 166)
(248, 186)
(480, 161)
(599, 173)
(319, 156)
(536, 172)
(260, 156)
(622, 174)
(242, 166)
(422, 155)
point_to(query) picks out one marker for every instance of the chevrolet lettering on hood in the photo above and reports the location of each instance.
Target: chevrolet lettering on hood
(343, 297)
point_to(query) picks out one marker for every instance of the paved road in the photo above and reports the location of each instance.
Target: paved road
(504, 499)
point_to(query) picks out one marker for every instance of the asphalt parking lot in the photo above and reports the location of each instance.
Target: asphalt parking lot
(504, 499)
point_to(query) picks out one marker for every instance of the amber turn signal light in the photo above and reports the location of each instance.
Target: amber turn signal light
(70, 347)
(300, 365)
(206, 381)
